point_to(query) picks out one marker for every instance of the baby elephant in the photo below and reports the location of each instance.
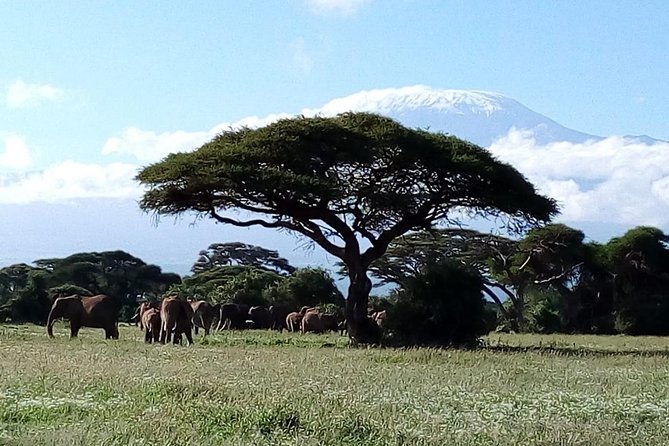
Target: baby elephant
(151, 323)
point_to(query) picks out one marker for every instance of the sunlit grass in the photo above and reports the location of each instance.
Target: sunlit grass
(269, 388)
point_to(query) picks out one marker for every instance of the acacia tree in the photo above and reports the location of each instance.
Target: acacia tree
(238, 253)
(639, 269)
(411, 255)
(350, 183)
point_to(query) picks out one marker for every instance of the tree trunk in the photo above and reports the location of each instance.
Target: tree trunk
(360, 330)
(520, 309)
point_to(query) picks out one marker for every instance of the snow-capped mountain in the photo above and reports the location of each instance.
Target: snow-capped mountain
(478, 116)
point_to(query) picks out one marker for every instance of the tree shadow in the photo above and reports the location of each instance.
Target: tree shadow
(565, 350)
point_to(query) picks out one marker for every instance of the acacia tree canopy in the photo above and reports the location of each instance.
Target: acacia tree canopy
(350, 183)
(238, 253)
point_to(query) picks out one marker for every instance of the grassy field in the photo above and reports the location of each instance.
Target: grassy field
(284, 389)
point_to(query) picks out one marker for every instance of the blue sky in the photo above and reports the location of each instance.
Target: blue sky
(597, 66)
(76, 74)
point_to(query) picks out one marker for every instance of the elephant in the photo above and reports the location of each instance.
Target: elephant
(318, 322)
(150, 320)
(203, 315)
(279, 314)
(311, 321)
(260, 317)
(330, 322)
(293, 321)
(232, 316)
(144, 306)
(99, 311)
(176, 316)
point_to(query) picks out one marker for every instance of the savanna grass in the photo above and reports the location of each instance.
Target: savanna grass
(265, 388)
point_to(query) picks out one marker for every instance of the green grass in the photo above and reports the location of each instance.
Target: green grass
(287, 389)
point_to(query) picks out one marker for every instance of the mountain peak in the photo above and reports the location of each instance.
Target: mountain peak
(403, 99)
(475, 115)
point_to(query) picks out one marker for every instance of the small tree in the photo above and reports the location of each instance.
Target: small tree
(237, 253)
(306, 287)
(442, 305)
(639, 265)
(409, 256)
(350, 184)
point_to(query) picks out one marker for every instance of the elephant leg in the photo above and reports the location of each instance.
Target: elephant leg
(189, 336)
(111, 332)
(165, 333)
(176, 335)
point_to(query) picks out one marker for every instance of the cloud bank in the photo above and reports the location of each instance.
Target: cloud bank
(147, 146)
(613, 180)
(68, 181)
(22, 95)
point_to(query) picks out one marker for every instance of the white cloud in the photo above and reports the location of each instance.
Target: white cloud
(21, 94)
(336, 7)
(14, 152)
(613, 180)
(147, 146)
(70, 180)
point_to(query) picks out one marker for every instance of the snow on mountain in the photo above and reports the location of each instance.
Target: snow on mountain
(478, 116)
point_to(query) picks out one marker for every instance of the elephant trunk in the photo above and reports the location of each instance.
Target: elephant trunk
(50, 321)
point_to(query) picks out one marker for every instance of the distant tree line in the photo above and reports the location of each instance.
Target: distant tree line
(27, 291)
(447, 286)
(225, 272)
(551, 280)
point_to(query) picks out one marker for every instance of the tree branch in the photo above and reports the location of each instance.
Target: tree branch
(562, 275)
(508, 293)
(309, 229)
(496, 299)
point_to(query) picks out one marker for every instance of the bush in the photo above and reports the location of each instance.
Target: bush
(306, 287)
(441, 306)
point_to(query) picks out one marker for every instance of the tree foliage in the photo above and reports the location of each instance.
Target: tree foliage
(256, 286)
(306, 287)
(26, 291)
(551, 280)
(237, 253)
(442, 305)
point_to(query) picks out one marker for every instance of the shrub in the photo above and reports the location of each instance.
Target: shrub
(441, 306)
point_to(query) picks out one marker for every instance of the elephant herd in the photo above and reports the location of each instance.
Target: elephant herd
(167, 320)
